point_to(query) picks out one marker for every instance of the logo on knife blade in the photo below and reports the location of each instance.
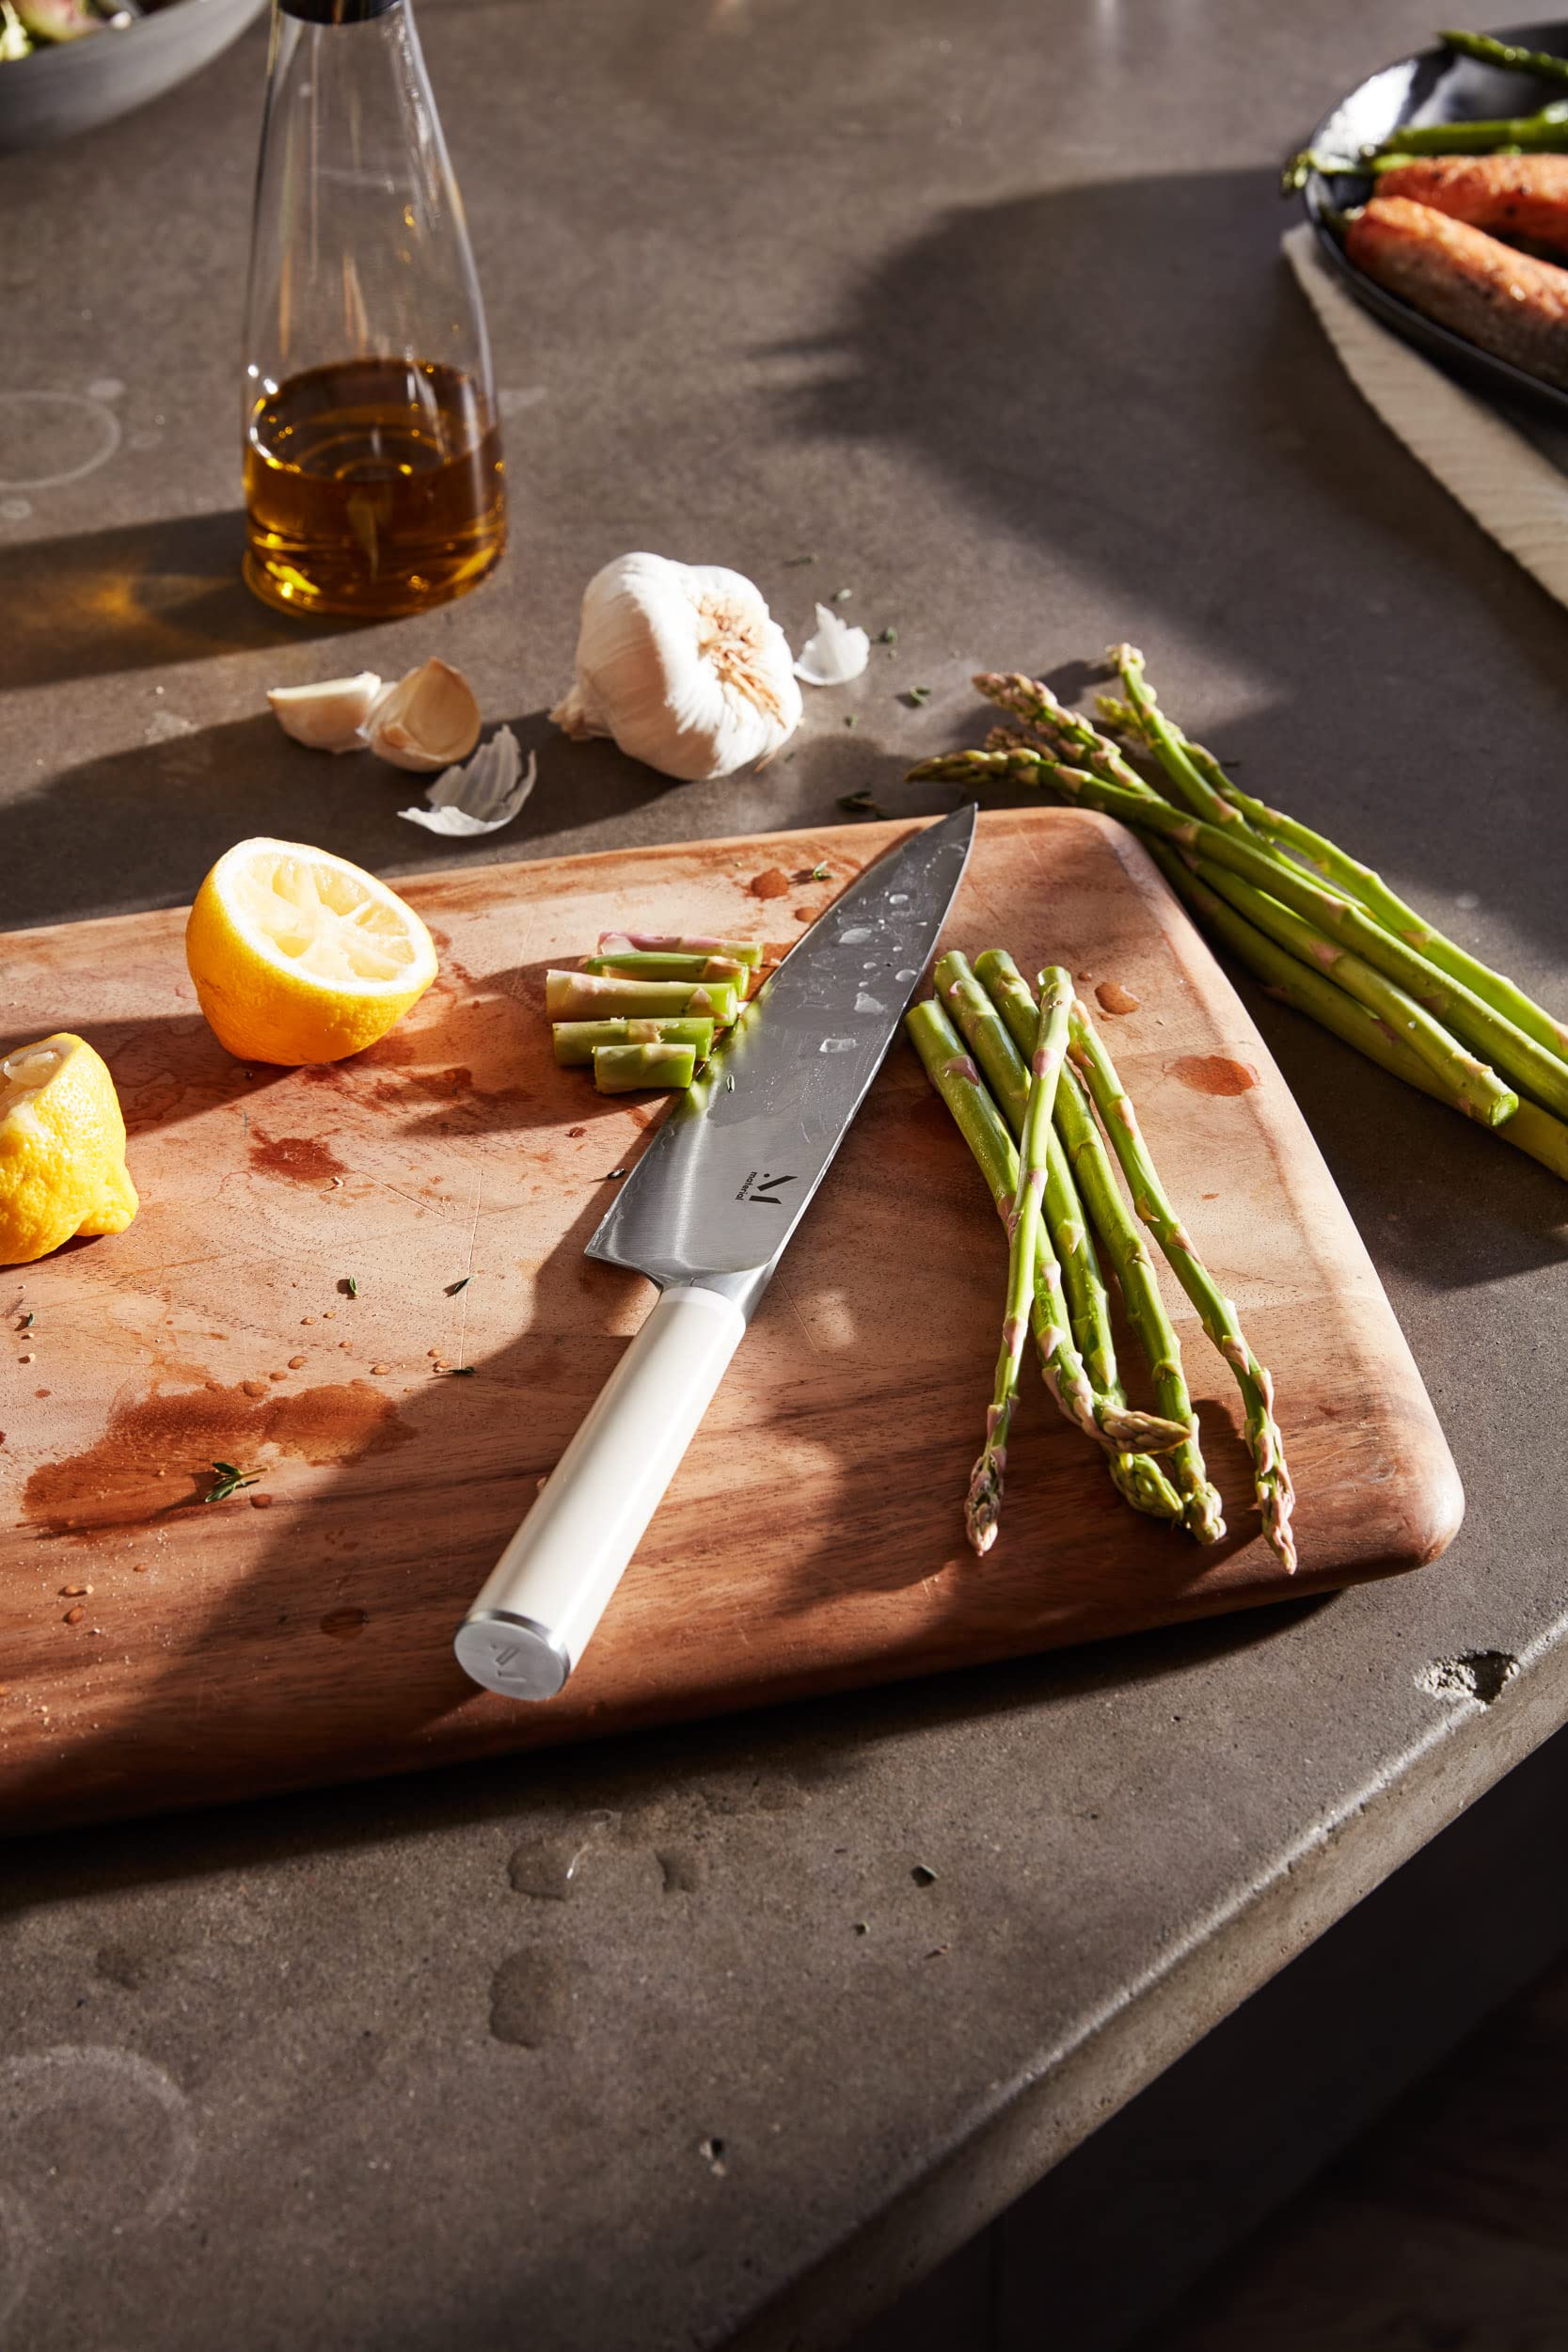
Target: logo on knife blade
(762, 1191)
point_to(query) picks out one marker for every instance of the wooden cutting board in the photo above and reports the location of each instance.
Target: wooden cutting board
(301, 1632)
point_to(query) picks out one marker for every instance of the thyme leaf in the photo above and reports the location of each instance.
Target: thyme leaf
(228, 1481)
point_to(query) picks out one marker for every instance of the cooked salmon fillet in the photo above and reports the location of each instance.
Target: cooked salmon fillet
(1516, 195)
(1506, 302)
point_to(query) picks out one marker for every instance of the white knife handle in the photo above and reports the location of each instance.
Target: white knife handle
(533, 1620)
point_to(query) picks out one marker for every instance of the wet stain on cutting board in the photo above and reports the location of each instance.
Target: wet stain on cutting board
(303, 1159)
(156, 1455)
(1214, 1074)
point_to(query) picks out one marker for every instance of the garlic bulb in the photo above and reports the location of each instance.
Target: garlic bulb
(684, 666)
(835, 654)
(427, 721)
(329, 717)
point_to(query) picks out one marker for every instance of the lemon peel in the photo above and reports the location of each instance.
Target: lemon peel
(62, 1149)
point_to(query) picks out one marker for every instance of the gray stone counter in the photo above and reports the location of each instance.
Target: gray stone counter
(981, 308)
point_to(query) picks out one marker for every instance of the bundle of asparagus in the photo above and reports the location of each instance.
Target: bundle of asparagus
(1321, 930)
(1058, 1197)
(645, 1009)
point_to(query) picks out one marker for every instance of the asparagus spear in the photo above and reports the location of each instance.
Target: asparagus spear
(1297, 170)
(678, 944)
(981, 1510)
(1168, 744)
(1217, 1313)
(575, 1041)
(1513, 1054)
(639, 964)
(1128, 1252)
(1293, 983)
(1541, 63)
(1398, 1010)
(594, 996)
(1346, 873)
(985, 1032)
(632, 1069)
(959, 1084)
(1546, 132)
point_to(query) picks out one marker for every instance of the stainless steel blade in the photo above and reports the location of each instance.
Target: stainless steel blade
(717, 1195)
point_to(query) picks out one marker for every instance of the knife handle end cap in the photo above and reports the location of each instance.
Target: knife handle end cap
(512, 1654)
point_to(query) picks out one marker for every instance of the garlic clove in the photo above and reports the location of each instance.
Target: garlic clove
(426, 721)
(836, 653)
(482, 795)
(326, 717)
(683, 666)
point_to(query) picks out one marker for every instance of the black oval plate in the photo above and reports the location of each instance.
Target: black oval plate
(1434, 86)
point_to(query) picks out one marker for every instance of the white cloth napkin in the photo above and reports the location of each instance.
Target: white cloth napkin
(1510, 488)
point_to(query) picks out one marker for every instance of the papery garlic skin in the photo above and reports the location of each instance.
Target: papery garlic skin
(837, 653)
(327, 717)
(482, 795)
(683, 666)
(425, 722)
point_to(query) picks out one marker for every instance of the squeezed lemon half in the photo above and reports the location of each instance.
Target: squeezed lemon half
(297, 956)
(62, 1149)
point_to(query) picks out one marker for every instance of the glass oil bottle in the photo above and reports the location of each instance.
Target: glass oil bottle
(373, 478)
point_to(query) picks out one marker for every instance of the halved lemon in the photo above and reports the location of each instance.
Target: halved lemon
(62, 1149)
(297, 956)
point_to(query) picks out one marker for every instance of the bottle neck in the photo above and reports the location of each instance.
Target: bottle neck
(336, 11)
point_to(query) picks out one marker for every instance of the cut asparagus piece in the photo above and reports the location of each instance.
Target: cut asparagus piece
(1271, 1472)
(575, 1041)
(984, 1031)
(678, 944)
(1302, 987)
(594, 996)
(1325, 859)
(633, 1069)
(1128, 1252)
(1025, 1241)
(646, 964)
(1513, 1055)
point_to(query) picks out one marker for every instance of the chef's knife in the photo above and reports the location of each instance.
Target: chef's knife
(707, 1213)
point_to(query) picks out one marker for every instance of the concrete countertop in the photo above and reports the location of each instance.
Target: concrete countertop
(981, 308)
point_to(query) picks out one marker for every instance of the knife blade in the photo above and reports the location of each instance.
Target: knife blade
(707, 1213)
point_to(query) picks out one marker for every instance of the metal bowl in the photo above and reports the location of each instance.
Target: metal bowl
(1434, 86)
(56, 92)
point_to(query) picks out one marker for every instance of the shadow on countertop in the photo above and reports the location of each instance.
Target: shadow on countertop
(1252, 516)
(764, 1759)
(1255, 522)
(138, 597)
(156, 816)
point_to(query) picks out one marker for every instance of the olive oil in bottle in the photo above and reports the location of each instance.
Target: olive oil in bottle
(372, 487)
(374, 480)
